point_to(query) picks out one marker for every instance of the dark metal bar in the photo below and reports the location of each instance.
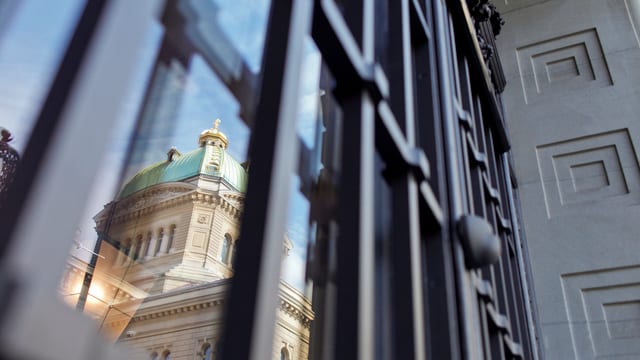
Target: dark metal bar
(250, 313)
(408, 334)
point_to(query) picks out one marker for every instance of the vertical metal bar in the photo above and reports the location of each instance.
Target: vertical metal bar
(439, 290)
(354, 335)
(407, 286)
(250, 317)
(446, 64)
(354, 308)
(524, 283)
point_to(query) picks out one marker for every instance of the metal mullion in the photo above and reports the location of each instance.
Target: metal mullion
(486, 329)
(501, 295)
(477, 191)
(523, 334)
(407, 311)
(467, 305)
(497, 344)
(511, 310)
(354, 335)
(525, 292)
(454, 56)
(466, 170)
(514, 315)
(250, 318)
(440, 294)
(464, 88)
(407, 295)
(490, 217)
(353, 340)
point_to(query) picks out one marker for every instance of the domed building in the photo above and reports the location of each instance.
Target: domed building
(168, 251)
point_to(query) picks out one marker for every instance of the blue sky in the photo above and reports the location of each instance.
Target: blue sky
(33, 44)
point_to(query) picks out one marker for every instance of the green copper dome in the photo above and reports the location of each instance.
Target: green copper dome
(211, 159)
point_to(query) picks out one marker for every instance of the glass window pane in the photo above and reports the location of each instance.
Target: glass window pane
(33, 39)
(162, 223)
(244, 23)
(31, 46)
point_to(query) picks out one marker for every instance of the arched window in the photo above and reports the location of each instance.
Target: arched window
(224, 252)
(154, 356)
(284, 354)
(158, 242)
(147, 246)
(166, 355)
(172, 233)
(207, 352)
(136, 248)
(126, 247)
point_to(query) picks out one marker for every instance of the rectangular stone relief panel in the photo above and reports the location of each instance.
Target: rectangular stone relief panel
(601, 167)
(552, 67)
(603, 309)
(198, 239)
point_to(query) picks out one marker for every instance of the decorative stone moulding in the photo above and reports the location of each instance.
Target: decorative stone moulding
(484, 11)
(8, 161)
(595, 168)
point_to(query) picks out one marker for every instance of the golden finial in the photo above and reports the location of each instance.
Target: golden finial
(213, 134)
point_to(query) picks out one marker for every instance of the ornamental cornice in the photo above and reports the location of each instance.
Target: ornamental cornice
(284, 305)
(124, 214)
(143, 205)
(293, 311)
(177, 310)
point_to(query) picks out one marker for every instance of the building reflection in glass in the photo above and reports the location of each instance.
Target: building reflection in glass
(165, 259)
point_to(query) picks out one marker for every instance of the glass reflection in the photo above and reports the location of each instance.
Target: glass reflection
(156, 275)
(31, 46)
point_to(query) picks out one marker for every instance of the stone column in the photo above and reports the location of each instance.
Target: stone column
(134, 248)
(171, 240)
(144, 247)
(120, 258)
(151, 248)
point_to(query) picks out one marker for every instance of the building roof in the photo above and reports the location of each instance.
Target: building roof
(210, 159)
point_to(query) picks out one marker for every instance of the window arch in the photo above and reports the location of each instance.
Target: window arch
(224, 252)
(207, 352)
(147, 248)
(284, 354)
(154, 356)
(166, 355)
(172, 233)
(126, 247)
(137, 246)
(156, 251)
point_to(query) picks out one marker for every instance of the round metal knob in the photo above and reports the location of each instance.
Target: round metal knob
(481, 246)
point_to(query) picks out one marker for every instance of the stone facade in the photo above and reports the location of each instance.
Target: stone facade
(573, 69)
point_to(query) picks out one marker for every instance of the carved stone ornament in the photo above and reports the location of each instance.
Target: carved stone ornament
(484, 11)
(8, 161)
